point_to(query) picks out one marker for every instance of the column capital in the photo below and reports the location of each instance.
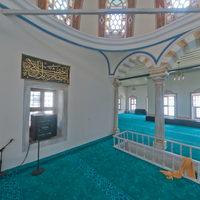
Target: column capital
(158, 73)
(116, 83)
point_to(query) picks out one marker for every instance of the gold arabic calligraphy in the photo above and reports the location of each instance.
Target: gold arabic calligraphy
(38, 69)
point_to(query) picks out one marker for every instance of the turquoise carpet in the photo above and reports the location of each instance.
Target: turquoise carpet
(183, 134)
(97, 172)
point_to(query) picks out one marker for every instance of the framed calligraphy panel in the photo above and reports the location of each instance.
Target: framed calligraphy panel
(33, 68)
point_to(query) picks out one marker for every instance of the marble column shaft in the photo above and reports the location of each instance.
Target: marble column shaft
(158, 75)
(126, 100)
(116, 84)
(159, 109)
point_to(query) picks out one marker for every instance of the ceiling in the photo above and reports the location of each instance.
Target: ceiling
(190, 58)
(135, 66)
(132, 66)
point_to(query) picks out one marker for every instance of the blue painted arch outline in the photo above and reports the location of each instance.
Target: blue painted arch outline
(156, 60)
(146, 54)
(107, 61)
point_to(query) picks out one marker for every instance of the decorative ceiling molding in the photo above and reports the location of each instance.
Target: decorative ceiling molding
(183, 50)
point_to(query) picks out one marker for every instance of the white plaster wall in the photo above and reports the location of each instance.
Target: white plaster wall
(183, 90)
(140, 93)
(89, 23)
(122, 95)
(144, 23)
(90, 94)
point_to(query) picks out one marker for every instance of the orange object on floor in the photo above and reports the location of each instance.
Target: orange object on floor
(186, 166)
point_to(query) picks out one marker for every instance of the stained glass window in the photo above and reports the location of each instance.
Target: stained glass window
(115, 24)
(163, 19)
(169, 17)
(62, 5)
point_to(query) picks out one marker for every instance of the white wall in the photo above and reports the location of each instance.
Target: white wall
(89, 23)
(183, 90)
(90, 94)
(122, 96)
(144, 23)
(140, 92)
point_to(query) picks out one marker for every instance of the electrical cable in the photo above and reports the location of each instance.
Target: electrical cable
(26, 155)
(27, 152)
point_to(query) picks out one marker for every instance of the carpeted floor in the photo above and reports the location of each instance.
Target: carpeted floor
(97, 172)
(183, 134)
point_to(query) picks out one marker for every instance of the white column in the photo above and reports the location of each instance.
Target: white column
(159, 113)
(158, 75)
(126, 100)
(116, 84)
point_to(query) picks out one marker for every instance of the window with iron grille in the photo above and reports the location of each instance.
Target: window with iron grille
(163, 19)
(62, 5)
(70, 20)
(116, 25)
(169, 17)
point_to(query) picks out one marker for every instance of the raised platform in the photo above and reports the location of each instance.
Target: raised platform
(181, 122)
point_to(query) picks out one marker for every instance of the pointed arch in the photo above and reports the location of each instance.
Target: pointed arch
(147, 58)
